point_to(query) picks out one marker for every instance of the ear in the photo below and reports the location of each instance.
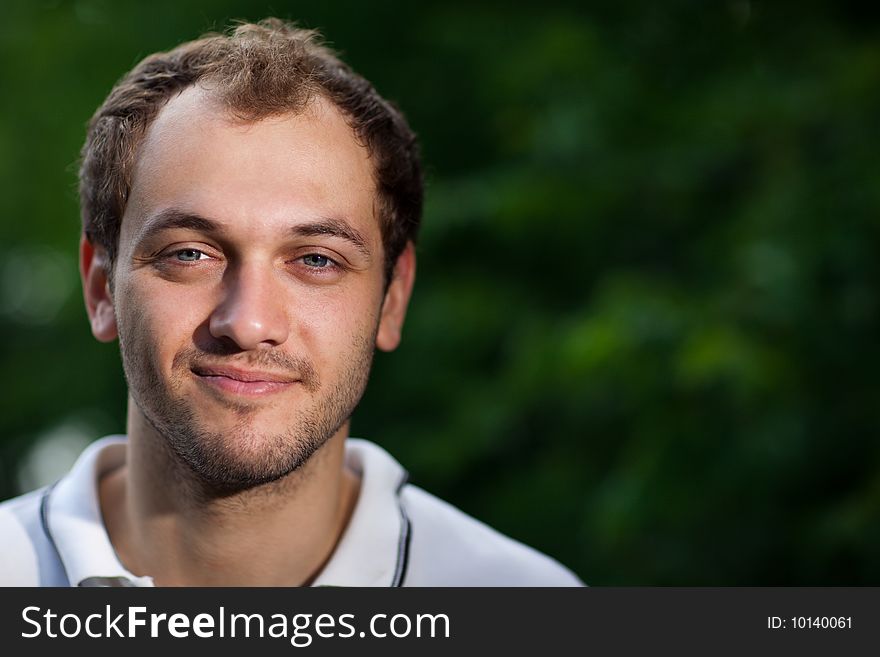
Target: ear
(397, 299)
(93, 270)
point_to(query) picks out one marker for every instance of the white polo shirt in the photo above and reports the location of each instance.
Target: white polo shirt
(398, 534)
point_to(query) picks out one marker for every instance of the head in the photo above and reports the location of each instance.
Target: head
(257, 71)
(249, 211)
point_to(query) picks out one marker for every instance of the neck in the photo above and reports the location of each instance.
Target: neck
(165, 524)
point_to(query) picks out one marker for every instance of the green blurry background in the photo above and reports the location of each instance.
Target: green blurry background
(644, 332)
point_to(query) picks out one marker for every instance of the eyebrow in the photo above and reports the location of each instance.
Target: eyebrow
(334, 228)
(172, 218)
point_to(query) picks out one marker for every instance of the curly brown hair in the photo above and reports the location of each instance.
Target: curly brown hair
(256, 70)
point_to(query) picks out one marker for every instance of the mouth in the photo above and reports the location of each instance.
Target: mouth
(249, 383)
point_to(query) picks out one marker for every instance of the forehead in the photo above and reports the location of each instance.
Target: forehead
(282, 169)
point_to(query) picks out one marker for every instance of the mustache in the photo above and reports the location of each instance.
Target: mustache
(264, 359)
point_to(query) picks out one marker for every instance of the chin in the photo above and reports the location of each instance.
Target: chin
(240, 458)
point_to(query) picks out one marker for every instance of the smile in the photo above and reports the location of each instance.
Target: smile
(249, 383)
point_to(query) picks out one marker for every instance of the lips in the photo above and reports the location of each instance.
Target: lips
(243, 382)
(246, 376)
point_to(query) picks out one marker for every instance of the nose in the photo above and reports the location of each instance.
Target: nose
(252, 312)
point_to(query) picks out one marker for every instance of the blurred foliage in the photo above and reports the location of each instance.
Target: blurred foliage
(644, 334)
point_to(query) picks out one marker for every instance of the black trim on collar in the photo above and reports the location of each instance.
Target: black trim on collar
(44, 523)
(404, 540)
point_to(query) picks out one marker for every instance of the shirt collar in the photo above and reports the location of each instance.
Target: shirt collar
(373, 548)
(371, 552)
(72, 517)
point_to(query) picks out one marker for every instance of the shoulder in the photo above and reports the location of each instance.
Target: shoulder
(450, 548)
(27, 557)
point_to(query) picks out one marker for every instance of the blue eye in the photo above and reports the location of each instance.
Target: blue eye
(316, 260)
(188, 255)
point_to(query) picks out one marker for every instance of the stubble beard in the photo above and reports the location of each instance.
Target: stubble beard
(241, 458)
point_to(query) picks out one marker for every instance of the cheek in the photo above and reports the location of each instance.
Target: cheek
(333, 325)
(158, 319)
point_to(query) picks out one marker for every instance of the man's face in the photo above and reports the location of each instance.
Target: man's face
(248, 288)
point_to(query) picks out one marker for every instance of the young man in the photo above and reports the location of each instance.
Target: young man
(249, 211)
